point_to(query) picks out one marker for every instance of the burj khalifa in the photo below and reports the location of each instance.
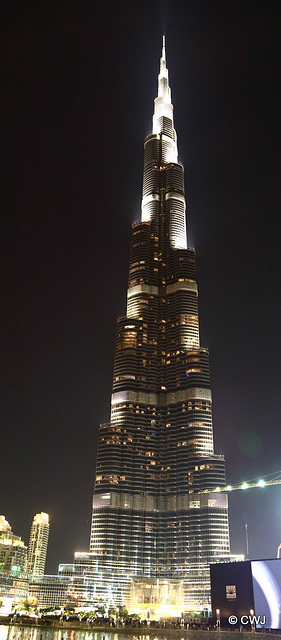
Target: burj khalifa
(157, 518)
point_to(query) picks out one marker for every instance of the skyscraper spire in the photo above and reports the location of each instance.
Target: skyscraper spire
(163, 70)
(163, 120)
(163, 49)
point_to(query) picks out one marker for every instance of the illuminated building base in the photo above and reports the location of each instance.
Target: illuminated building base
(156, 598)
(88, 582)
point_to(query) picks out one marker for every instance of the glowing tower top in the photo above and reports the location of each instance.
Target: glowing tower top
(163, 117)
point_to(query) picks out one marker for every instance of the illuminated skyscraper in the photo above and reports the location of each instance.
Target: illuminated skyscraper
(38, 544)
(13, 552)
(151, 520)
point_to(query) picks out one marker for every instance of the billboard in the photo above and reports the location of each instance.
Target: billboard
(247, 594)
(266, 575)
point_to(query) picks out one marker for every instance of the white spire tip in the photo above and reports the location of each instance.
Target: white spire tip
(163, 49)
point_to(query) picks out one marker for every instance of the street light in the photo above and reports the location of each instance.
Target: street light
(148, 617)
(252, 621)
(218, 614)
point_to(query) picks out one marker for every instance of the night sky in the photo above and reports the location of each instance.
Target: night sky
(78, 81)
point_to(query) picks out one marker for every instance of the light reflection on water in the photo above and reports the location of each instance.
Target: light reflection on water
(35, 633)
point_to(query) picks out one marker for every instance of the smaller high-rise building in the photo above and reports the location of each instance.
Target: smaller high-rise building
(13, 576)
(38, 544)
(13, 552)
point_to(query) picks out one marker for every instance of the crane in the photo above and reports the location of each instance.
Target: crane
(267, 480)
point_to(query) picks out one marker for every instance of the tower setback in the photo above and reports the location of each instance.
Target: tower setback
(152, 520)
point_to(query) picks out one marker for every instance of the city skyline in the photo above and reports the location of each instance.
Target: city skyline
(63, 98)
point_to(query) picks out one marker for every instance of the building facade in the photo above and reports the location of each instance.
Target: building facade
(13, 560)
(49, 591)
(13, 552)
(151, 519)
(38, 544)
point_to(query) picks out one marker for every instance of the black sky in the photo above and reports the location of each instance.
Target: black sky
(78, 83)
